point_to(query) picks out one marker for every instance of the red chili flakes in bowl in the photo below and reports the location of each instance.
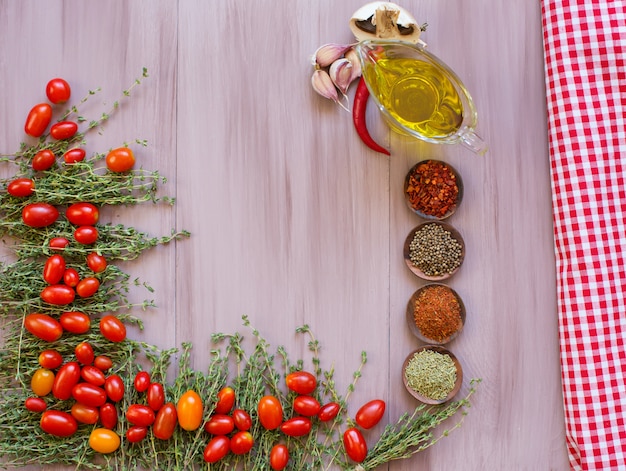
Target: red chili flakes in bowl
(432, 189)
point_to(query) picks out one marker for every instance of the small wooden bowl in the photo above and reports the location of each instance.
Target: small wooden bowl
(457, 203)
(407, 251)
(457, 384)
(410, 310)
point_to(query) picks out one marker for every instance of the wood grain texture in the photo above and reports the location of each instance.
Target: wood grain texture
(294, 221)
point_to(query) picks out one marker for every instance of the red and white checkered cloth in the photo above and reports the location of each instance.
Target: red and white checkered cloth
(585, 60)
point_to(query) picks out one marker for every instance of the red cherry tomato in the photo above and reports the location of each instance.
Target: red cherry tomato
(370, 413)
(54, 269)
(75, 322)
(165, 422)
(35, 404)
(270, 412)
(82, 214)
(43, 326)
(43, 160)
(21, 187)
(102, 362)
(306, 405)
(301, 382)
(142, 381)
(86, 235)
(140, 415)
(71, 277)
(58, 294)
(217, 448)
(63, 130)
(103, 440)
(108, 415)
(112, 328)
(92, 375)
(39, 214)
(58, 91)
(96, 262)
(354, 444)
(41, 382)
(66, 378)
(189, 409)
(242, 419)
(155, 396)
(279, 457)
(241, 443)
(38, 119)
(87, 287)
(120, 160)
(220, 424)
(114, 387)
(50, 359)
(328, 411)
(85, 414)
(89, 395)
(84, 353)
(136, 433)
(296, 426)
(74, 155)
(58, 243)
(225, 401)
(58, 423)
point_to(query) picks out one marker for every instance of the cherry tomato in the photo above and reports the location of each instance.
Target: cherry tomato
(35, 404)
(87, 287)
(41, 382)
(155, 396)
(217, 448)
(85, 414)
(138, 414)
(306, 405)
(75, 322)
(108, 415)
(21, 187)
(43, 160)
(58, 423)
(39, 214)
(270, 412)
(38, 119)
(279, 457)
(189, 409)
(112, 328)
(241, 443)
(50, 359)
(242, 419)
(102, 362)
(43, 326)
(84, 353)
(86, 235)
(301, 382)
(114, 387)
(63, 130)
(165, 422)
(96, 262)
(354, 444)
(54, 269)
(370, 413)
(58, 243)
(66, 378)
(58, 294)
(220, 424)
(225, 400)
(136, 433)
(92, 375)
(71, 277)
(58, 91)
(328, 411)
(82, 214)
(103, 440)
(296, 426)
(142, 381)
(89, 395)
(121, 159)
(74, 155)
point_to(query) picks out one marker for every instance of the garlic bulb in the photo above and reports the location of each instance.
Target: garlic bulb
(385, 20)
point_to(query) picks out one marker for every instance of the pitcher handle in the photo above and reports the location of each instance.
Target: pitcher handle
(474, 142)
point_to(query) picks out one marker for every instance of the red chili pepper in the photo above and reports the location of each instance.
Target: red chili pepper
(358, 117)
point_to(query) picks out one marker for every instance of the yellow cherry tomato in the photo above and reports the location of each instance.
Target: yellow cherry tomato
(189, 410)
(42, 381)
(104, 440)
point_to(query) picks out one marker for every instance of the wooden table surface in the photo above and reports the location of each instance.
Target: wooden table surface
(293, 220)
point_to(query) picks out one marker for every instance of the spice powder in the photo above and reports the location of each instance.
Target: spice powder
(437, 313)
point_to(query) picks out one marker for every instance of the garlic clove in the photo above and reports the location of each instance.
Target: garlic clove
(322, 84)
(329, 53)
(340, 73)
(353, 57)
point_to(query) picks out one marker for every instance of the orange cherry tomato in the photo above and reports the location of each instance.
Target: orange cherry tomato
(301, 382)
(39, 214)
(50, 359)
(165, 422)
(108, 415)
(54, 269)
(369, 414)
(103, 440)
(119, 160)
(112, 328)
(21, 187)
(84, 353)
(306, 405)
(38, 119)
(59, 295)
(66, 378)
(140, 415)
(82, 214)
(86, 235)
(225, 401)
(43, 326)
(279, 457)
(43, 160)
(242, 419)
(75, 322)
(71, 277)
(114, 387)
(58, 423)
(241, 442)
(217, 448)
(58, 91)
(190, 410)
(270, 412)
(63, 130)
(354, 444)
(35, 404)
(72, 156)
(220, 424)
(85, 414)
(41, 382)
(87, 287)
